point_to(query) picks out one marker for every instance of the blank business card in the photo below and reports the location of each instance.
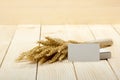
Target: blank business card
(83, 52)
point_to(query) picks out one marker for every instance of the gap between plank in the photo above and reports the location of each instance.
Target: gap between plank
(116, 30)
(92, 33)
(72, 68)
(112, 69)
(39, 45)
(73, 62)
(106, 59)
(8, 47)
(75, 71)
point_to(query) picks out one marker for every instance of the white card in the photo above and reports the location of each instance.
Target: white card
(83, 52)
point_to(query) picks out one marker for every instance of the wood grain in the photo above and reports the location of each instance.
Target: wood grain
(24, 39)
(26, 36)
(115, 62)
(107, 31)
(59, 70)
(6, 35)
(91, 70)
(81, 70)
(116, 28)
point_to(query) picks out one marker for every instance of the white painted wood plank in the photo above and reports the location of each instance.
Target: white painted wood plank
(91, 70)
(66, 32)
(84, 71)
(56, 71)
(24, 39)
(94, 71)
(117, 28)
(59, 70)
(115, 62)
(107, 31)
(6, 35)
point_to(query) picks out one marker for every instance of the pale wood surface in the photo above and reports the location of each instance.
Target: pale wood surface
(6, 35)
(108, 31)
(26, 36)
(90, 70)
(24, 39)
(115, 62)
(83, 70)
(56, 71)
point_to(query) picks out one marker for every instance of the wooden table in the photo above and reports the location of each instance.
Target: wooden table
(15, 39)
